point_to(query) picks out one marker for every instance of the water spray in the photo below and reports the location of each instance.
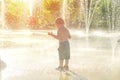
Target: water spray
(2, 14)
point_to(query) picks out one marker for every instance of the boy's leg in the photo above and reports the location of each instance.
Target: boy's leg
(60, 67)
(61, 63)
(66, 67)
(66, 62)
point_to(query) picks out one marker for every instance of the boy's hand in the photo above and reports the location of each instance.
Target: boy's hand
(50, 33)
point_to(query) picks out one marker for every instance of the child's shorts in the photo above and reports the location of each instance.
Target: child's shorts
(64, 50)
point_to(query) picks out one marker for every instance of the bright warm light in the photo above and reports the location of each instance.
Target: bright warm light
(30, 5)
(79, 33)
(63, 8)
(25, 0)
(99, 33)
(2, 13)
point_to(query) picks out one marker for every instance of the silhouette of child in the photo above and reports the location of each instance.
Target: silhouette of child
(62, 36)
(2, 66)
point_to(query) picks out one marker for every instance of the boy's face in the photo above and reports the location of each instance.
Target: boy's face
(57, 25)
(59, 22)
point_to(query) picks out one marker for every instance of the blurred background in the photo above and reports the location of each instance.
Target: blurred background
(30, 54)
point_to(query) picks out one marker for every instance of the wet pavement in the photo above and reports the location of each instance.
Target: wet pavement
(33, 56)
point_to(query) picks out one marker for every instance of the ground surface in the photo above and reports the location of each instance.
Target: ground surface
(32, 55)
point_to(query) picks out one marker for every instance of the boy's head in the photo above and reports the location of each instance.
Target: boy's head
(59, 22)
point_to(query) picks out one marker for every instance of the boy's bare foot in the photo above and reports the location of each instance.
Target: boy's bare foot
(118, 40)
(66, 68)
(60, 68)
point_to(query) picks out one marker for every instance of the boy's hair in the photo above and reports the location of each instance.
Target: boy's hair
(59, 21)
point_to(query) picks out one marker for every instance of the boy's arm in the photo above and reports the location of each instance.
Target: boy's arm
(53, 35)
(69, 35)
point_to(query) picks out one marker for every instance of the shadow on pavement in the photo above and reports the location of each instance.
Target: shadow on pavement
(70, 75)
(2, 67)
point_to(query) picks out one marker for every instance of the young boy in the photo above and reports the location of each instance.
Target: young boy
(64, 48)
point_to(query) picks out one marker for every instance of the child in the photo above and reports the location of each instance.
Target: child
(64, 48)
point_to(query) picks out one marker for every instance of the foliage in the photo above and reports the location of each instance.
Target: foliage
(14, 11)
(50, 10)
(101, 21)
(93, 14)
(51, 5)
(73, 13)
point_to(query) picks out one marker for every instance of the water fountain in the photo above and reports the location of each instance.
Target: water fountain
(64, 3)
(19, 45)
(31, 7)
(2, 14)
(89, 12)
(114, 37)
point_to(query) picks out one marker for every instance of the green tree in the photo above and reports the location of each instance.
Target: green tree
(73, 13)
(14, 12)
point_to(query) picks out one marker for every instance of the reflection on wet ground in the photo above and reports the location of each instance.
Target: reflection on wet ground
(33, 56)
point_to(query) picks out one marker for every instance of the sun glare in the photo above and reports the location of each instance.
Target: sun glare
(29, 3)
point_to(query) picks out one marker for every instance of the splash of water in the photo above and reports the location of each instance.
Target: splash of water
(108, 15)
(89, 12)
(31, 7)
(88, 15)
(64, 8)
(114, 38)
(2, 14)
